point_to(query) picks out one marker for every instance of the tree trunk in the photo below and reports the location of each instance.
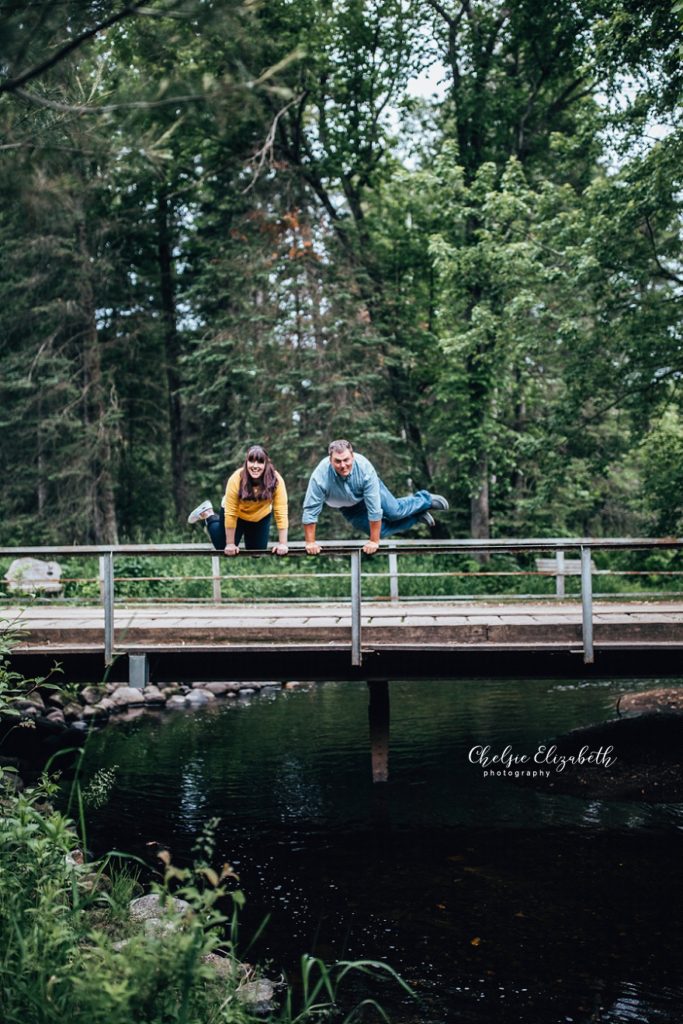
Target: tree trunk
(96, 414)
(42, 483)
(480, 526)
(172, 354)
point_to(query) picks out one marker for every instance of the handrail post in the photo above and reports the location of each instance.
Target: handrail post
(393, 574)
(559, 578)
(587, 605)
(107, 575)
(216, 578)
(356, 648)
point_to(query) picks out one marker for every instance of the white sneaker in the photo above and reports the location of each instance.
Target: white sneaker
(200, 512)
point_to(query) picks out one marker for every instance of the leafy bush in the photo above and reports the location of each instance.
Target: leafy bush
(70, 951)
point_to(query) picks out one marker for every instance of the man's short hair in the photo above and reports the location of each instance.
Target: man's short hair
(339, 446)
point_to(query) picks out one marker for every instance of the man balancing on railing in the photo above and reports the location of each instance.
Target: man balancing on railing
(348, 481)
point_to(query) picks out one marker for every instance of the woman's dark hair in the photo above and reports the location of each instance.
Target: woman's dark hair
(263, 488)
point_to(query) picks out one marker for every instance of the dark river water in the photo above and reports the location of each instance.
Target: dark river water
(496, 901)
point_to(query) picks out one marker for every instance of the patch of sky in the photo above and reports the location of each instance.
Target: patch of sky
(623, 141)
(102, 318)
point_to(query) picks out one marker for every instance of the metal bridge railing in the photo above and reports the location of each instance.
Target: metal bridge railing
(353, 551)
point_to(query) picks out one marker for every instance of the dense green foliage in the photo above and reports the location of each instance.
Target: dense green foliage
(59, 926)
(231, 222)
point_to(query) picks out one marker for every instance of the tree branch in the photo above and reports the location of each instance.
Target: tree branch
(443, 13)
(108, 108)
(668, 274)
(14, 84)
(266, 150)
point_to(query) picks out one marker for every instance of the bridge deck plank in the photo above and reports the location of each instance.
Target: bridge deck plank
(447, 624)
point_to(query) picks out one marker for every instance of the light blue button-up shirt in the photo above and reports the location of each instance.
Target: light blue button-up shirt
(328, 488)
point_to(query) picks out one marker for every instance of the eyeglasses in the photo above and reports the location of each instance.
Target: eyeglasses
(256, 459)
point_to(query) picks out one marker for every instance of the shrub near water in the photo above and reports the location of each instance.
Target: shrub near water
(70, 953)
(58, 932)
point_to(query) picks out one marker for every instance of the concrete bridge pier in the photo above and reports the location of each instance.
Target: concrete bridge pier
(138, 671)
(378, 718)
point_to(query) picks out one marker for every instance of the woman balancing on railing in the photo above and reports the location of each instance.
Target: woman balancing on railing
(253, 495)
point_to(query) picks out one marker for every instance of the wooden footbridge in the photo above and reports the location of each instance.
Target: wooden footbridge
(356, 637)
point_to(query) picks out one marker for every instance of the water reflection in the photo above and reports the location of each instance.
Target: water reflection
(497, 901)
(192, 795)
(295, 795)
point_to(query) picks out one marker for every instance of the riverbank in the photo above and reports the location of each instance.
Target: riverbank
(45, 717)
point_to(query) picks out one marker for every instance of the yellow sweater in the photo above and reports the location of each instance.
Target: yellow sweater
(254, 511)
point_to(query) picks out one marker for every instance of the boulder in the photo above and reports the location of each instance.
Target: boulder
(153, 695)
(176, 700)
(157, 927)
(218, 689)
(31, 700)
(157, 918)
(151, 906)
(106, 705)
(72, 711)
(125, 696)
(258, 996)
(224, 966)
(91, 694)
(56, 716)
(32, 576)
(94, 711)
(27, 709)
(198, 697)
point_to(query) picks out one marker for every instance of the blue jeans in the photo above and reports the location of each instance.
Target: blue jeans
(255, 534)
(399, 514)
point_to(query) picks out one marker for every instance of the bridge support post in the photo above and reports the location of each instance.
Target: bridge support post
(138, 671)
(107, 587)
(587, 606)
(378, 718)
(216, 579)
(356, 644)
(393, 574)
(559, 579)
